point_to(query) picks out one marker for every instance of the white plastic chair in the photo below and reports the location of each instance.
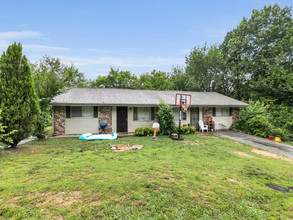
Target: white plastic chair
(202, 126)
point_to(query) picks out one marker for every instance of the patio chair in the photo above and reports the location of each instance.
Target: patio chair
(202, 126)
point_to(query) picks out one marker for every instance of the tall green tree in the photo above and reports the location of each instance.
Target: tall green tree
(156, 80)
(18, 99)
(259, 55)
(51, 78)
(116, 79)
(206, 71)
(179, 79)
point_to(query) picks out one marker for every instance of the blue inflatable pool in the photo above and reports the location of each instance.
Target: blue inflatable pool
(91, 137)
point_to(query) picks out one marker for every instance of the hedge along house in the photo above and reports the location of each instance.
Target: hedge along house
(81, 110)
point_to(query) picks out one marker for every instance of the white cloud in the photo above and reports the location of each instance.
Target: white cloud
(8, 35)
(185, 51)
(100, 51)
(151, 62)
(44, 48)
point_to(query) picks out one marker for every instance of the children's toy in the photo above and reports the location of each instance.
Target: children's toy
(156, 127)
(278, 138)
(91, 137)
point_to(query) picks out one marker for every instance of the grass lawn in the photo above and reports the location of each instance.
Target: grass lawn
(205, 177)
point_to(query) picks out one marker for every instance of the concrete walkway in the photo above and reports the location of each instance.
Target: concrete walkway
(269, 145)
(23, 141)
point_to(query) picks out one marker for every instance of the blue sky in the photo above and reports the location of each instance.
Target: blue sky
(135, 35)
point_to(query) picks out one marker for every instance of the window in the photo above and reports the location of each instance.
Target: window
(143, 113)
(176, 114)
(218, 112)
(76, 112)
(87, 111)
(81, 111)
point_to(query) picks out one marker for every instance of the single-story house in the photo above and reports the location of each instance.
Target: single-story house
(81, 110)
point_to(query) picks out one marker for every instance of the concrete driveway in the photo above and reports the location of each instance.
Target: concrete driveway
(269, 145)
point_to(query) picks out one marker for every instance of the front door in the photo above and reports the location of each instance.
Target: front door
(194, 117)
(121, 119)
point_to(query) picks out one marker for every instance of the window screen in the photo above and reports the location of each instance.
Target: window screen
(87, 111)
(76, 112)
(142, 113)
(222, 112)
(176, 114)
(82, 111)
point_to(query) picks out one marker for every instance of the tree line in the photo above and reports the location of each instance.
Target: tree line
(254, 62)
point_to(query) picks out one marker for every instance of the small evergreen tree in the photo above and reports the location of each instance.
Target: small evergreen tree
(18, 99)
(166, 118)
(5, 137)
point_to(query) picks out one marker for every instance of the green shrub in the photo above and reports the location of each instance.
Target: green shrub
(145, 131)
(285, 134)
(139, 131)
(186, 129)
(254, 119)
(166, 118)
(265, 120)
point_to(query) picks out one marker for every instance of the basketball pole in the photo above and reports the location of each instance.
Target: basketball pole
(179, 122)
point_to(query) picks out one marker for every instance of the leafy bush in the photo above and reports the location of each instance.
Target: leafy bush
(254, 119)
(5, 139)
(43, 120)
(265, 120)
(166, 118)
(186, 129)
(145, 131)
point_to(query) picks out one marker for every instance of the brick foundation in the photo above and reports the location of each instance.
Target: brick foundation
(207, 114)
(235, 115)
(105, 116)
(59, 120)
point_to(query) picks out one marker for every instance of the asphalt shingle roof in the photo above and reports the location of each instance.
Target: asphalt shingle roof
(101, 96)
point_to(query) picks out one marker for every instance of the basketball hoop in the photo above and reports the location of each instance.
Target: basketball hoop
(184, 108)
(184, 102)
(183, 99)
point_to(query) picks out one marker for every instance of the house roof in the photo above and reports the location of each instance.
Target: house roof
(105, 96)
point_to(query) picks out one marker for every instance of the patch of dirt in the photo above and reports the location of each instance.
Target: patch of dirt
(193, 143)
(137, 203)
(96, 202)
(30, 181)
(269, 154)
(169, 180)
(240, 153)
(204, 133)
(59, 199)
(235, 181)
(124, 147)
(151, 178)
(23, 149)
(201, 196)
(13, 201)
